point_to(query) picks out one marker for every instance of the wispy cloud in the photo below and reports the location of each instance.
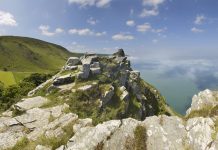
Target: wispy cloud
(7, 19)
(122, 37)
(92, 21)
(144, 27)
(151, 8)
(200, 19)
(85, 3)
(149, 12)
(45, 30)
(197, 30)
(86, 32)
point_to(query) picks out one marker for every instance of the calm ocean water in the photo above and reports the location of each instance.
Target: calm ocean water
(178, 84)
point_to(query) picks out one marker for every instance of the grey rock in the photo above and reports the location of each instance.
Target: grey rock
(134, 75)
(120, 53)
(122, 136)
(84, 73)
(70, 67)
(41, 147)
(73, 61)
(205, 98)
(107, 96)
(29, 103)
(199, 132)
(88, 87)
(9, 139)
(66, 79)
(81, 123)
(95, 65)
(95, 136)
(95, 71)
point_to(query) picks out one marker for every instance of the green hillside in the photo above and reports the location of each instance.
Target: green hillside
(22, 54)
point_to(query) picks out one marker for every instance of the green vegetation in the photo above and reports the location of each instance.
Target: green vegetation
(21, 144)
(31, 55)
(52, 142)
(22, 56)
(12, 94)
(207, 111)
(140, 138)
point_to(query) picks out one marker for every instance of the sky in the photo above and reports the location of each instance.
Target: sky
(155, 29)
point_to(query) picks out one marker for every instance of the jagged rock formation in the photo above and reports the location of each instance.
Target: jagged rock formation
(63, 112)
(119, 92)
(57, 128)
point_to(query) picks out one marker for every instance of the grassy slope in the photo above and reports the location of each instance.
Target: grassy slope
(21, 54)
(7, 78)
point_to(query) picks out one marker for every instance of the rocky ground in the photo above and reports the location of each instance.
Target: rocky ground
(52, 116)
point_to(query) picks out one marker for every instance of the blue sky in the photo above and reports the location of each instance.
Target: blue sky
(156, 29)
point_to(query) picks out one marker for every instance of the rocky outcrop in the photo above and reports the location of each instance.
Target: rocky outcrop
(29, 103)
(154, 133)
(204, 99)
(106, 90)
(65, 79)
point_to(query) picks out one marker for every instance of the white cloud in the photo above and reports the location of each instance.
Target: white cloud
(122, 37)
(147, 13)
(102, 3)
(92, 21)
(154, 3)
(144, 27)
(196, 30)
(7, 19)
(199, 19)
(45, 30)
(85, 3)
(86, 32)
(130, 23)
(59, 30)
